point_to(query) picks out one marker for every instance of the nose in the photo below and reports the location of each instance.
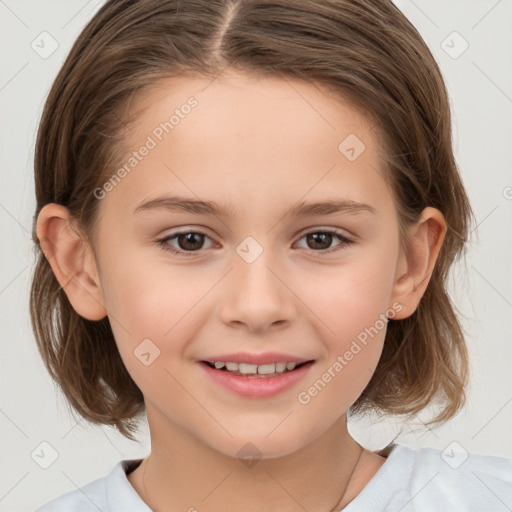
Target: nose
(257, 296)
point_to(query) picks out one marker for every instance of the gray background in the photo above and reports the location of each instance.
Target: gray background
(479, 81)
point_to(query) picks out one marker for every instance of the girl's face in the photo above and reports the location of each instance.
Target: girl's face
(255, 275)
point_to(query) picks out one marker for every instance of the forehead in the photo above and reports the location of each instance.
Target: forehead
(246, 138)
(245, 99)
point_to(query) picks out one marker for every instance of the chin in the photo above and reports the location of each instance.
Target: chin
(257, 446)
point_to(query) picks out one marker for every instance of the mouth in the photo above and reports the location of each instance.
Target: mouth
(252, 381)
(256, 371)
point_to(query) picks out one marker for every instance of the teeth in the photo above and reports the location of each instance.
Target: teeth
(280, 367)
(247, 368)
(252, 369)
(265, 369)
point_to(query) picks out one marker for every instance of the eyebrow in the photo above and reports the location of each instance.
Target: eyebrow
(190, 205)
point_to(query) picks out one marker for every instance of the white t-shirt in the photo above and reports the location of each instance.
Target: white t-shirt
(423, 480)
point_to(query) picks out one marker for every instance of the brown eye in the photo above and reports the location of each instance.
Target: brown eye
(188, 243)
(320, 241)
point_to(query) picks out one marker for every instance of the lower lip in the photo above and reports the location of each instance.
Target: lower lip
(257, 387)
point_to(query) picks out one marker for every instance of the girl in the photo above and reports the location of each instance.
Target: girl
(247, 212)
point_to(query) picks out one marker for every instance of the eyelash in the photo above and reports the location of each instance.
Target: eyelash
(163, 242)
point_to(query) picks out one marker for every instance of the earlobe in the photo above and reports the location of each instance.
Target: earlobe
(72, 260)
(414, 269)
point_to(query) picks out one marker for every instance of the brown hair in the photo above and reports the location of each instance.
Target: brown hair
(362, 50)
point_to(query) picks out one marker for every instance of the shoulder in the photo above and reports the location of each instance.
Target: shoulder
(428, 479)
(110, 493)
(476, 482)
(92, 496)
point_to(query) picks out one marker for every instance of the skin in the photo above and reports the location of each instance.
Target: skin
(259, 145)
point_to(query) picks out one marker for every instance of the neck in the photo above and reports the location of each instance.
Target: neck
(182, 473)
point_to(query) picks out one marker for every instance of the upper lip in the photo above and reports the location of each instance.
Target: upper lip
(250, 358)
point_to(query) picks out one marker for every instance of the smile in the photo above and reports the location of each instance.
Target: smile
(251, 381)
(254, 369)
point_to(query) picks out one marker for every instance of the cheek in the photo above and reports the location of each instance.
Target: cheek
(353, 328)
(351, 304)
(149, 299)
(348, 299)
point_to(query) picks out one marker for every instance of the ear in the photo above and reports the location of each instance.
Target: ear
(72, 260)
(415, 268)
